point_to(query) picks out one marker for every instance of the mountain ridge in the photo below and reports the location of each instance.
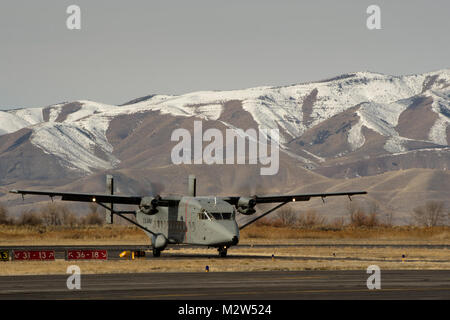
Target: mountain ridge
(360, 124)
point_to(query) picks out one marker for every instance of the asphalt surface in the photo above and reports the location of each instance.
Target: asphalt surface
(115, 250)
(180, 246)
(271, 285)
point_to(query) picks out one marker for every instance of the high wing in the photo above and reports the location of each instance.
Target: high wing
(85, 197)
(253, 200)
(303, 197)
(245, 205)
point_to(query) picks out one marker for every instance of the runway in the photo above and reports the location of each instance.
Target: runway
(181, 246)
(178, 254)
(270, 285)
(115, 250)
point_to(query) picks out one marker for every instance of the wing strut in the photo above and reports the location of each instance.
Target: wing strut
(264, 214)
(121, 214)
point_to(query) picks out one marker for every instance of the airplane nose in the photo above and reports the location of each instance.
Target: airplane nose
(224, 236)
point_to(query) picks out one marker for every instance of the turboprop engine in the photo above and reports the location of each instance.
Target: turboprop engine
(246, 205)
(148, 205)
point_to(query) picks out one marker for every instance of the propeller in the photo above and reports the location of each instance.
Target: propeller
(149, 205)
(149, 202)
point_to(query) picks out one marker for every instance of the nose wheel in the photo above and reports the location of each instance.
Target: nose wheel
(222, 252)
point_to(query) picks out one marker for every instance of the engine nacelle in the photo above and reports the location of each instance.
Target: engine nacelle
(246, 205)
(148, 205)
(159, 241)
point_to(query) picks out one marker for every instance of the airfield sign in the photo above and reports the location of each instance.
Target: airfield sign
(4, 255)
(87, 255)
(34, 255)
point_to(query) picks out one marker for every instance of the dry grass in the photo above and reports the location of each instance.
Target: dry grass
(64, 235)
(309, 257)
(252, 259)
(408, 233)
(116, 234)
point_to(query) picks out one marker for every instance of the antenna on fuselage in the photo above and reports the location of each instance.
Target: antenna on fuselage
(192, 186)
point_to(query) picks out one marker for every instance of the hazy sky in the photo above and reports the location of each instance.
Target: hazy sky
(128, 49)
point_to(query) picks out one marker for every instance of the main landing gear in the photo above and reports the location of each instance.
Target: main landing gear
(222, 251)
(156, 252)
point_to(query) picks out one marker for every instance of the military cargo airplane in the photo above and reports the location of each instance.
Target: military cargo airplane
(191, 219)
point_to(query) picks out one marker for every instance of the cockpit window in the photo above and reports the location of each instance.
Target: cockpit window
(226, 215)
(202, 216)
(221, 215)
(217, 215)
(205, 215)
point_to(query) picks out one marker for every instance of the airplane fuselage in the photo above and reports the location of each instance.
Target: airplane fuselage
(205, 221)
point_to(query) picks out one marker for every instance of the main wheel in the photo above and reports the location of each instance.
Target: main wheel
(222, 252)
(156, 252)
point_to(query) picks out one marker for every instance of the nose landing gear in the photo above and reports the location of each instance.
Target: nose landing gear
(222, 251)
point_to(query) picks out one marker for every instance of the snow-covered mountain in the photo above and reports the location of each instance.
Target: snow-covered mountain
(358, 128)
(76, 133)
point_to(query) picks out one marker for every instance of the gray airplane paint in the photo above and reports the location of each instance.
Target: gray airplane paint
(208, 220)
(194, 220)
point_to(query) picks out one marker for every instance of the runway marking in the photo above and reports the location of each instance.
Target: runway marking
(298, 278)
(292, 292)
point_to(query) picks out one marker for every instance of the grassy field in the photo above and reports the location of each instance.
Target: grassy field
(404, 234)
(309, 257)
(98, 235)
(250, 259)
(64, 235)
